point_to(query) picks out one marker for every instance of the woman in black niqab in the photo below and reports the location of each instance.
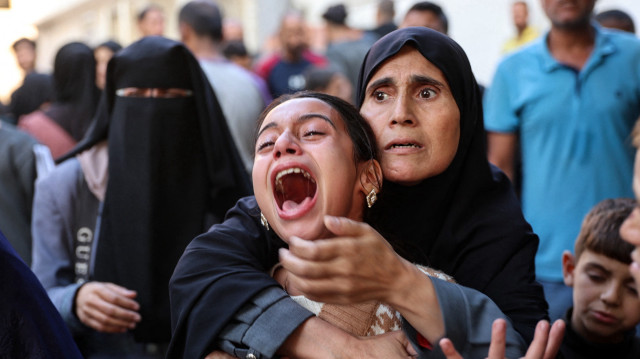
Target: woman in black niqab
(465, 221)
(173, 171)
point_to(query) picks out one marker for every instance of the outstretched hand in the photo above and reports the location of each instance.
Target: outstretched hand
(357, 265)
(107, 307)
(545, 345)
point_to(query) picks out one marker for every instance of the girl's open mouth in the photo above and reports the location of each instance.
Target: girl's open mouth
(294, 191)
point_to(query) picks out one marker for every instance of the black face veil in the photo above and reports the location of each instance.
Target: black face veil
(173, 167)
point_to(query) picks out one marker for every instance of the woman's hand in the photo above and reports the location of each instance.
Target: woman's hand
(107, 307)
(357, 265)
(545, 345)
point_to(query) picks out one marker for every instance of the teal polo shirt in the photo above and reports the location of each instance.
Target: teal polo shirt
(575, 134)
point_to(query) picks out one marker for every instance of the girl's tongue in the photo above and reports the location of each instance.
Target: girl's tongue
(294, 190)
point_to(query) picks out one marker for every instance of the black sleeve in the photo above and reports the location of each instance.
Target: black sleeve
(262, 325)
(30, 326)
(219, 272)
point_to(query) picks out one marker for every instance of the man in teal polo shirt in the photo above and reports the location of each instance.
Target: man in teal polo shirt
(569, 101)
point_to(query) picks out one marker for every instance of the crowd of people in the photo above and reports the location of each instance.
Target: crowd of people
(187, 199)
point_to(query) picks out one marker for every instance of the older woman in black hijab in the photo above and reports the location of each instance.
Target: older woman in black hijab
(442, 205)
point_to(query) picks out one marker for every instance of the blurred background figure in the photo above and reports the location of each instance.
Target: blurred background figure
(346, 46)
(541, 102)
(22, 160)
(524, 31)
(283, 70)
(103, 53)
(427, 14)
(25, 51)
(236, 52)
(151, 21)
(330, 81)
(36, 93)
(239, 91)
(232, 30)
(616, 19)
(385, 15)
(36, 89)
(66, 120)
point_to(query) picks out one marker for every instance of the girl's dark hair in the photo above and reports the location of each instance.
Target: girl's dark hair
(364, 143)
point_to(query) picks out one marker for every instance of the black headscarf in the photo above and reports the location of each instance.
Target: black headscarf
(76, 94)
(172, 166)
(36, 90)
(465, 221)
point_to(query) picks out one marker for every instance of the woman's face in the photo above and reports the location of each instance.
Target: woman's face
(414, 116)
(102, 55)
(304, 169)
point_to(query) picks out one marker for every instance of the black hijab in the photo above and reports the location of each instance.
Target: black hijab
(76, 94)
(173, 170)
(465, 221)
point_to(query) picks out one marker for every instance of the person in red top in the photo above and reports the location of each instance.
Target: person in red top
(283, 71)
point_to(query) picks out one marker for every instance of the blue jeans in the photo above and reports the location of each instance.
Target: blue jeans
(558, 296)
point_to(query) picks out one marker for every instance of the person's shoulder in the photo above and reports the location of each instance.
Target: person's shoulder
(315, 58)
(62, 176)
(623, 41)
(617, 35)
(244, 216)
(266, 64)
(12, 136)
(526, 53)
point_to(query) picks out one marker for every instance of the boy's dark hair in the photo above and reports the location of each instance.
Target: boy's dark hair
(204, 17)
(617, 15)
(23, 40)
(146, 9)
(436, 9)
(600, 231)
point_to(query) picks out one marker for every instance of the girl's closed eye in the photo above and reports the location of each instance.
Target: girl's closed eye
(263, 145)
(311, 133)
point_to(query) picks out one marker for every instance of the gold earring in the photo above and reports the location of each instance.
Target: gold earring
(263, 221)
(372, 197)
